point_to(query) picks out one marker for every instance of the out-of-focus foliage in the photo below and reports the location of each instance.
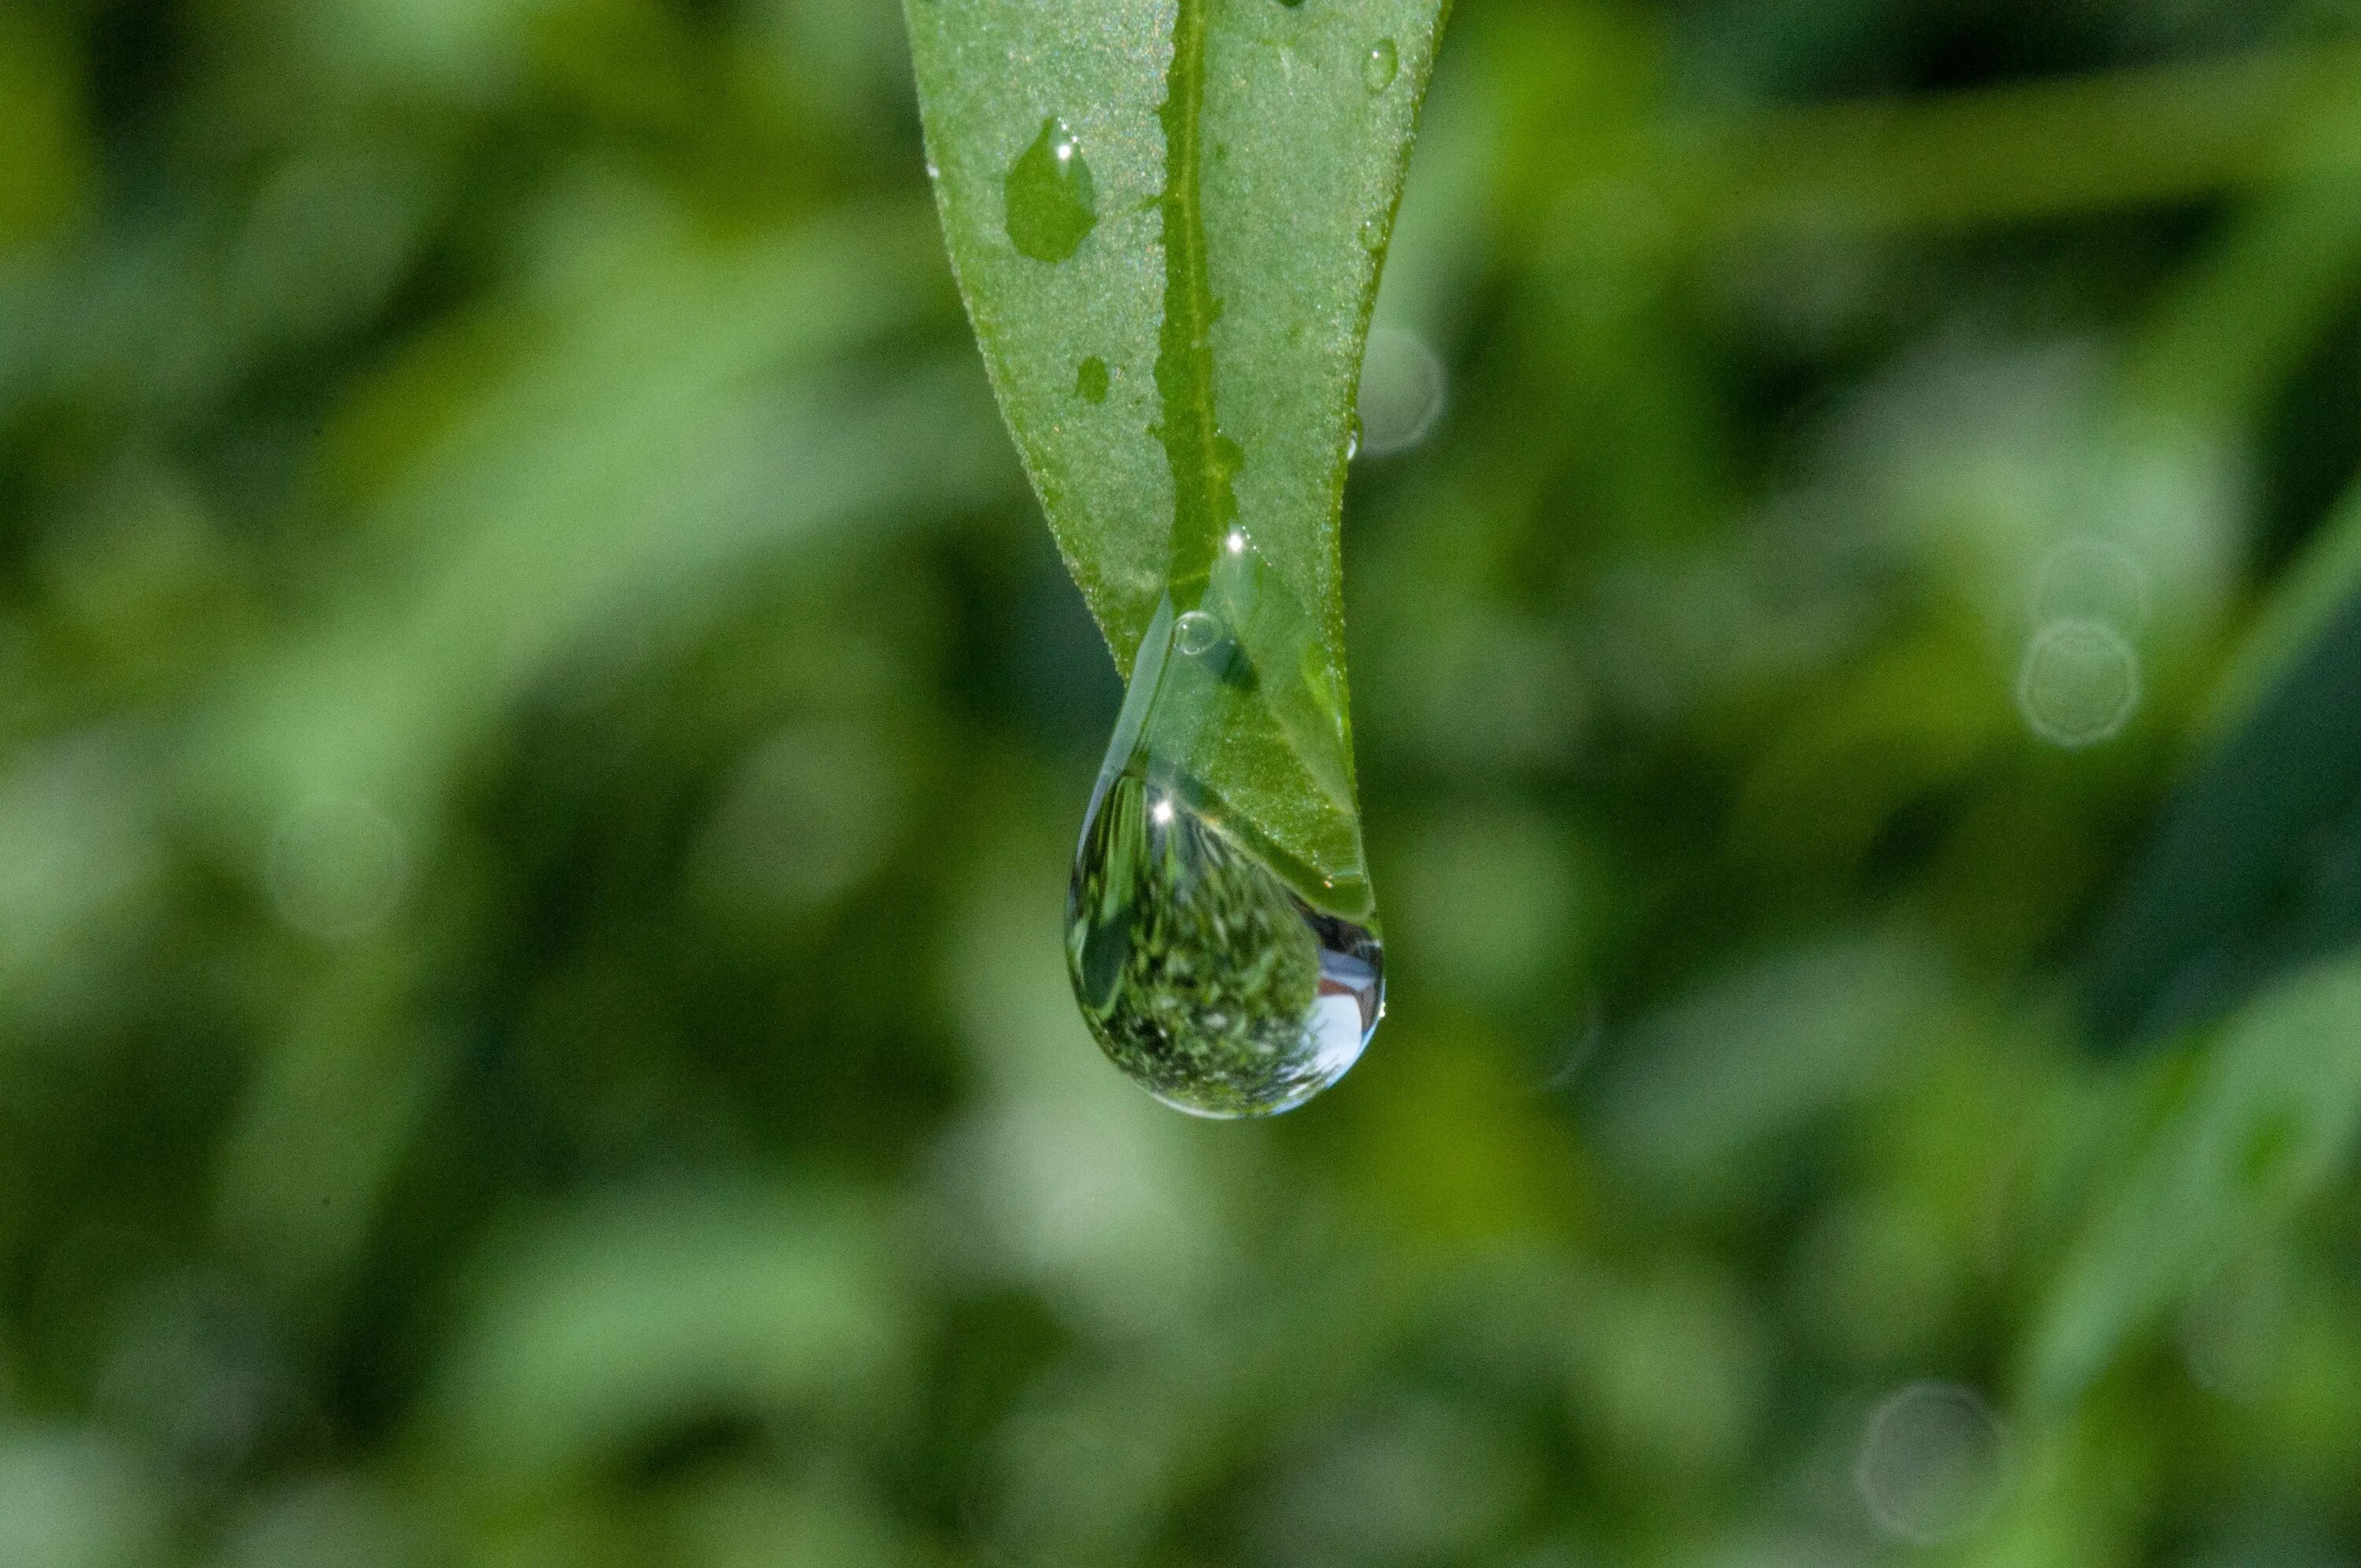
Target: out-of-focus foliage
(541, 736)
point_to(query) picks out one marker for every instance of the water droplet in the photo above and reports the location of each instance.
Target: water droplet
(1052, 202)
(1352, 435)
(1227, 975)
(1195, 632)
(1932, 1463)
(2079, 685)
(1202, 972)
(1380, 66)
(1373, 235)
(1091, 381)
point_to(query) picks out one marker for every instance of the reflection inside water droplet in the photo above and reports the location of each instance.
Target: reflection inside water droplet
(1229, 971)
(1379, 66)
(1052, 200)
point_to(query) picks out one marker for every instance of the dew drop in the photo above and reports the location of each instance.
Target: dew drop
(1373, 235)
(1052, 200)
(1091, 381)
(1225, 976)
(1196, 632)
(2079, 685)
(1380, 66)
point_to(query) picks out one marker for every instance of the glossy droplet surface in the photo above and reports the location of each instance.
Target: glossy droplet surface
(1091, 381)
(1200, 972)
(1052, 200)
(1231, 967)
(1380, 66)
(1196, 632)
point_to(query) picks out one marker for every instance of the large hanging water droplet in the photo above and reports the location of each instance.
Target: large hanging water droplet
(1380, 66)
(1231, 967)
(1052, 200)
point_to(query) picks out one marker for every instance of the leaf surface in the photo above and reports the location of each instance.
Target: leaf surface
(1167, 217)
(2269, 1118)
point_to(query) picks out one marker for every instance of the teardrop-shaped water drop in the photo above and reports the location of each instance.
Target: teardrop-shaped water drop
(1202, 974)
(1380, 66)
(1225, 974)
(1052, 200)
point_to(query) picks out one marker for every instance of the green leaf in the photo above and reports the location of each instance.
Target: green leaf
(1166, 219)
(2270, 1116)
(2256, 864)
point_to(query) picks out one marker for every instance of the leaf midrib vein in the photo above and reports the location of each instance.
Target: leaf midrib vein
(1184, 361)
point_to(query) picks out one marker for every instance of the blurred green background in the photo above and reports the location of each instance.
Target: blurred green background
(541, 737)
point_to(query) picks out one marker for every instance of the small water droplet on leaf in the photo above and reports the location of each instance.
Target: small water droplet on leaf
(1380, 66)
(1196, 632)
(1052, 200)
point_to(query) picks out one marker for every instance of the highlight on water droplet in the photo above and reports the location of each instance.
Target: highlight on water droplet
(1052, 200)
(2078, 684)
(1380, 66)
(1091, 381)
(1403, 389)
(1231, 972)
